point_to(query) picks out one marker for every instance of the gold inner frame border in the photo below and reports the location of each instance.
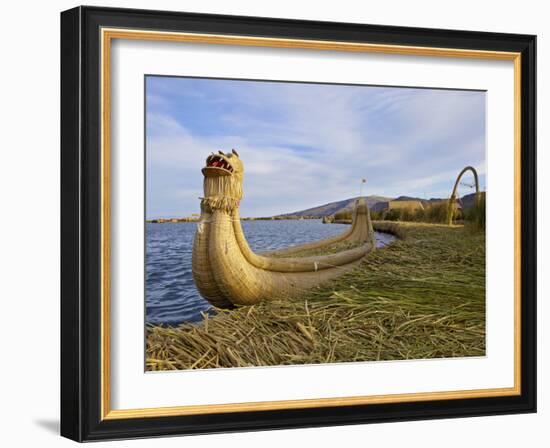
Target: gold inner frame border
(107, 35)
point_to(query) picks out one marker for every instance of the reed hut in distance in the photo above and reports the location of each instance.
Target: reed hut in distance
(410, 205)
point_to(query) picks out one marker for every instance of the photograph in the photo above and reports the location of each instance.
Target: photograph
(294, 223)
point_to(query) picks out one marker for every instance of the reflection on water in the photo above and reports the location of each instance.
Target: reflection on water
(170, 293)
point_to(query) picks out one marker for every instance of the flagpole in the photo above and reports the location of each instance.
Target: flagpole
(363, 181)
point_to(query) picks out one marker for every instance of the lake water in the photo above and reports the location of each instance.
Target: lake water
(170, 293)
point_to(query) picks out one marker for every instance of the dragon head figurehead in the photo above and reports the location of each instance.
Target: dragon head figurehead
(223, 181)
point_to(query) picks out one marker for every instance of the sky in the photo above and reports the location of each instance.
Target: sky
(304, 145)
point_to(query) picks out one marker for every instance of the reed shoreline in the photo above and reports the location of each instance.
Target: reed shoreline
(421, 297)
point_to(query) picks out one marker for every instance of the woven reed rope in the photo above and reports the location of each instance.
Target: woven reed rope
(227, 272)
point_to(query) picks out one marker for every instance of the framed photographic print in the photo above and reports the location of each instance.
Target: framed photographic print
(273, 223)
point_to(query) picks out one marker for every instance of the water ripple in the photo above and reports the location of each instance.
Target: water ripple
(170, 293)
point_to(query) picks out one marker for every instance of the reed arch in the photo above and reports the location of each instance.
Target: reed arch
(452, 199)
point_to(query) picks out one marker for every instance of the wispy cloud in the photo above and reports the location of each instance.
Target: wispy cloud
(307, 144)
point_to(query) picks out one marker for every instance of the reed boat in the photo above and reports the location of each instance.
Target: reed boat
(228, 273)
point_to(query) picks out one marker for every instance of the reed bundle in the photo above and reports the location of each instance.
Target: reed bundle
(222, 192)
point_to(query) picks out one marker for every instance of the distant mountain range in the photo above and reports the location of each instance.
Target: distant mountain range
(375, 203)
(333, 207)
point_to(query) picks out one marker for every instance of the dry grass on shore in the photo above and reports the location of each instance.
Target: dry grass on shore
(421, 297)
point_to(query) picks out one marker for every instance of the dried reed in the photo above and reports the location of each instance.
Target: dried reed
(421, 297)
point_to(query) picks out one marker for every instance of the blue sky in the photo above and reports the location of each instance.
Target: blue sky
(304, 145)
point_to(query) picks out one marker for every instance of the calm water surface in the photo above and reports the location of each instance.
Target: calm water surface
(170, 293)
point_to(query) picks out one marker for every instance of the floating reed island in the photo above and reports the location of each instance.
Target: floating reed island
(423, 296)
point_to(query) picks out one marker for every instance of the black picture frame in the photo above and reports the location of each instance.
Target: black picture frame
(81, 224)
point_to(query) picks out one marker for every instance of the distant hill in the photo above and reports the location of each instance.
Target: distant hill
(375, 203)
(468, 201)
(333, 207)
